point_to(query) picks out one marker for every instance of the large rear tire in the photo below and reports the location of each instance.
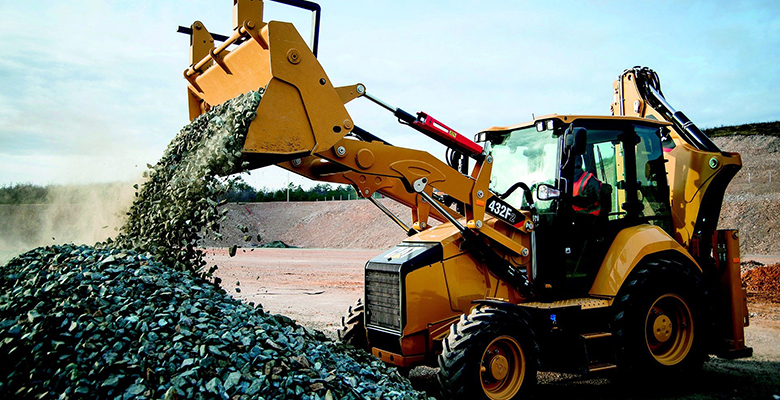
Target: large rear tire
(661, 322)
(353, 328)
(489, 354)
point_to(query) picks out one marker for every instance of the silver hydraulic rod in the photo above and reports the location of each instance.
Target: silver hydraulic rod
(409, 231)
(381, 103)
(399, 113)
(419, 186)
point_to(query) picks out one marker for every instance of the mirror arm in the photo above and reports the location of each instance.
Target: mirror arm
(526, 192)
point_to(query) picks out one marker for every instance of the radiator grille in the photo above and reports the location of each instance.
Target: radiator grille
(383, 303)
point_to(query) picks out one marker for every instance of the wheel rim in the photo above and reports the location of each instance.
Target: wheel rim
(502, 368)
(669, 329)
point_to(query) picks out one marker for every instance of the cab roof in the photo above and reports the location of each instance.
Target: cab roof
(567, 119)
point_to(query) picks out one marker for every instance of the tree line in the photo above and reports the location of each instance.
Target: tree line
(242, 192)
(23, 193)
(237, 191)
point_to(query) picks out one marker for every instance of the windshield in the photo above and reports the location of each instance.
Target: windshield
(524, 155)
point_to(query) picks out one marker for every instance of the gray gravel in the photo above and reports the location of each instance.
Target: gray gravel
(105, 322)
(85, 322)
(178, 203)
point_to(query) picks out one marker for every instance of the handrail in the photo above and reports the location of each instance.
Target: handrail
(315, 27)
(209, 58)
(243, 32)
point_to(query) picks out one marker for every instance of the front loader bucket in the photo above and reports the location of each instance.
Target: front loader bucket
(300, 113)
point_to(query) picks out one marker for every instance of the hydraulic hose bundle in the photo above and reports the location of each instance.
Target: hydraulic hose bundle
(650, 89)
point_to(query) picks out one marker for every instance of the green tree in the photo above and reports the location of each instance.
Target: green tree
(23, 193)
(240, 192)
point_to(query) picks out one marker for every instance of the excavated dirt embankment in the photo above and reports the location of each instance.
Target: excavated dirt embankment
(752, 202)
(355, 224)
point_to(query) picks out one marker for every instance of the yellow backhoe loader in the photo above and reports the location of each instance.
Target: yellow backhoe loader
(571, 243)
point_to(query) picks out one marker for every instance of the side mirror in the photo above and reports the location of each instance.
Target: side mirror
(576, 140)
(546, 192)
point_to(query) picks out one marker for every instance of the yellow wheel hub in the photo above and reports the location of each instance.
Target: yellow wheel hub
(502, 368)
(662, 328)
(499, 367)
(669, 329)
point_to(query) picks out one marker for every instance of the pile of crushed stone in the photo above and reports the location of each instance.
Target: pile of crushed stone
(86, 322)
(137, 317)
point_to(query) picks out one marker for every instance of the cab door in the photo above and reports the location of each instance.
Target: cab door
(621, 163)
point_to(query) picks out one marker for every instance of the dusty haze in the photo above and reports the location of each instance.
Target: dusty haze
(81, 214)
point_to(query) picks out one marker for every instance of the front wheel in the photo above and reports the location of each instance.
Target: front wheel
(489, 354)
(353, 328)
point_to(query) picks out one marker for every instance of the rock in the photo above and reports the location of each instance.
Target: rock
(100, 322)
(74, 340)
(178, 204)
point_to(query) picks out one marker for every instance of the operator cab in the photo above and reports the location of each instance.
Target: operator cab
(584, 179)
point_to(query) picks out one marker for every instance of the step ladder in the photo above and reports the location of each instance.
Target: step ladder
(599, 352)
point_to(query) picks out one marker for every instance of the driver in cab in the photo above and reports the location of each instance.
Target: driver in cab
(588, 190)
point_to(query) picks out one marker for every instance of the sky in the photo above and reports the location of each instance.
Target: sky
(92, 91)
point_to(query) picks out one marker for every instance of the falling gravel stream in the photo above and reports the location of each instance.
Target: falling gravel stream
(178, 202)
(138, 317)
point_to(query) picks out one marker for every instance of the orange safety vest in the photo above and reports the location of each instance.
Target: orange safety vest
(579, 188)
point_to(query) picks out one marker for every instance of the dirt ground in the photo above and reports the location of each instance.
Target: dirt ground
(316, 286)
(312, 286)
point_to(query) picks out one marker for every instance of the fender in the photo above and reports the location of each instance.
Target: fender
(502, 305)
(630, 246)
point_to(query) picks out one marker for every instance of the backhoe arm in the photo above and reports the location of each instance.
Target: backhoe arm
(640, 90)
(698, 171)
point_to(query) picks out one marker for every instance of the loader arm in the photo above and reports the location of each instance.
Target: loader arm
(303, 126)
(386, 165)
(317, 168)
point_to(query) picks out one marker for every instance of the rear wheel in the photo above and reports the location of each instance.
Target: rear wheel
(489, 354)
(661, 321)
(353, 328)
(669, 329)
